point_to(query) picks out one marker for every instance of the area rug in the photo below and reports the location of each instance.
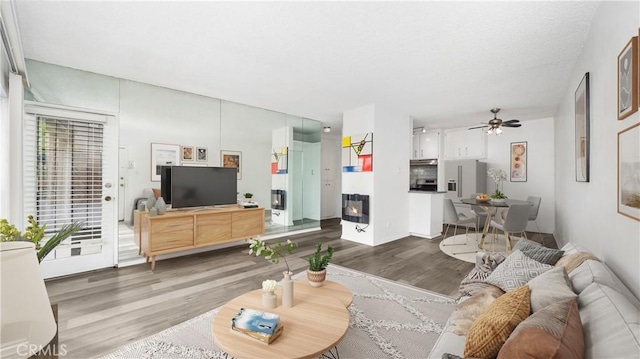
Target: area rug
(465, 250)
(387, 320)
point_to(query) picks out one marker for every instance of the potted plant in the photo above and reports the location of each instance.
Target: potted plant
(318, 262)
(248, 196)
(34, 233)
(498, 176)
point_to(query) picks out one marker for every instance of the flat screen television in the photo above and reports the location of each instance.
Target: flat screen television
(203, 186)
(165, 183)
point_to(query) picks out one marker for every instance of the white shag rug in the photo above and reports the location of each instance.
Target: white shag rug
(387, 320)
(465, 249)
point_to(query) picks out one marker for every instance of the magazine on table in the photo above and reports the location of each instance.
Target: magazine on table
(256, 324)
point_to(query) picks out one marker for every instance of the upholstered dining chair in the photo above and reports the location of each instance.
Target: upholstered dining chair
(452, 217)
(515, 222)
(533, 213)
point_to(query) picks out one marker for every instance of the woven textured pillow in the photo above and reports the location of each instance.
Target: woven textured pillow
(522, 242)
(542, 254)
(550, 287)
(552, 332)
(516, 271)
(492, 328)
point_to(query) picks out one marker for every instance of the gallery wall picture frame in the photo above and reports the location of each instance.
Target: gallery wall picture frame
(583, 129)
(163, 154)
(518, 153)
(202, 154)
(232, 159)
(628, 170)
(187, 153)
(628, 79)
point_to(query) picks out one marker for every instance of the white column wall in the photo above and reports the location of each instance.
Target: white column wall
(586, 213)
(354, 122)
(391, 153)
(16, 100)
(387, 186)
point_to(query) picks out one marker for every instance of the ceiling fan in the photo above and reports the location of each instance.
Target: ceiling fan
(496, 124)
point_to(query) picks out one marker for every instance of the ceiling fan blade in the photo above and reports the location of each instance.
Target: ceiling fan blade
(510, 121)
(511, 125)
(473, 128)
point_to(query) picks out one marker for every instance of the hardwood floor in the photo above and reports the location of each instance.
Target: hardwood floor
(102, 310)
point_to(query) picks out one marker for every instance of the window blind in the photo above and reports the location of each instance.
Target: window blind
(63, 179)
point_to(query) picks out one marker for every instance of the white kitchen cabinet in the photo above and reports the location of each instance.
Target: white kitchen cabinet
(329, 196)
(426, 145)
(330, 152)
(463, 143)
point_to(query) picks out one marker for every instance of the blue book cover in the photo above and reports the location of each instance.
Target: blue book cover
(255, 321)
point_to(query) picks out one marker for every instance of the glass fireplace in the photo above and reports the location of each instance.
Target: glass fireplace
(355, 208)
(278, 199)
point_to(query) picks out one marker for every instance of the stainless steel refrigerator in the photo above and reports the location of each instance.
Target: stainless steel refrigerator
(465, 178)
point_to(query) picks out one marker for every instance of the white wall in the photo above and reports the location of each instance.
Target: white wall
(540, 167)
(151, 114)
(160, 115)
(586, 213)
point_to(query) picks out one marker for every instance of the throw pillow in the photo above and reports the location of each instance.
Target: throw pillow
(468, 310)
(553, 332)
(550, 287)
(525, 242)
(542, 254)
(492, 328)
(573, 261)
(516, 271)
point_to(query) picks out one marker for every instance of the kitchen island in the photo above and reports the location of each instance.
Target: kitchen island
(426, 214)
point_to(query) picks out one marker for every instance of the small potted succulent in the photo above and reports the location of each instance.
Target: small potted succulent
(318, 262)
(248, 196)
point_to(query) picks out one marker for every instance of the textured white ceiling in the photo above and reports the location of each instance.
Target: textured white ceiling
(443, 63)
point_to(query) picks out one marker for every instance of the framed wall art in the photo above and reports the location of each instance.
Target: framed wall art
(357, 153)
(232, 159)
(187, 153)
(582, 141)
(518, 172)
(202, 154)
(628, 79)
(280, 160)
(629, 172)
(163, 154)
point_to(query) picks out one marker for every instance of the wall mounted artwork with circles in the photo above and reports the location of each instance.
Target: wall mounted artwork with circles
(518, 172)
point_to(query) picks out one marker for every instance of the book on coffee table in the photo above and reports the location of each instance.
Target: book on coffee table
(256, 324)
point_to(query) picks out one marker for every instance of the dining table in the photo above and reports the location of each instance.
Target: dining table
(488, 206)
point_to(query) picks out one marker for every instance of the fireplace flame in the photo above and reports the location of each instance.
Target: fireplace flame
(354, 210)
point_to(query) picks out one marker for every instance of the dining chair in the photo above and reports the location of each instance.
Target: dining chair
(533, 213)
(451, 216)
(515, 222)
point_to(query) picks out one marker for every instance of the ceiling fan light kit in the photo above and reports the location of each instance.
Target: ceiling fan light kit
(495, 125)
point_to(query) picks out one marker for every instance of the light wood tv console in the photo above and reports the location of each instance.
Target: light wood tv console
(183, 229)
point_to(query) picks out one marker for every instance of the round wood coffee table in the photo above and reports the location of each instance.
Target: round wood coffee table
(314, 325)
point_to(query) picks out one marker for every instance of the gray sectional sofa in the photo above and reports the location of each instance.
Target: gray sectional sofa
(608, 311)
